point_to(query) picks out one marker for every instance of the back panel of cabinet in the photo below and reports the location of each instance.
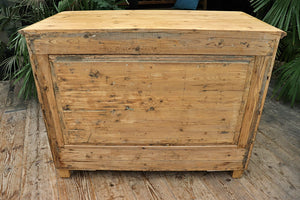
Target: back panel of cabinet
(151, 100)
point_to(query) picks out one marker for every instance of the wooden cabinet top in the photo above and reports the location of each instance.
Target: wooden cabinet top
(151, 21)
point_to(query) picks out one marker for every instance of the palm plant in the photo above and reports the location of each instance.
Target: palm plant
(15, 15)
(284, 14)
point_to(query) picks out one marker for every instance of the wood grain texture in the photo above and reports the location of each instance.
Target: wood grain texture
(183, 185)
(12, 144)
(131, 32)
(263, 94)
(160, 19)
(272, 171)
(196, 99)
(38, 173)
(226, 188)
(152, 158)
(110, 185)
(178, 81)
(257, 94)
(160, 42)
(77, 187)
(254, 99)
(43, 82)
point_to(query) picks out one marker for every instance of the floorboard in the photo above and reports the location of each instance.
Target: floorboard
(27, 170)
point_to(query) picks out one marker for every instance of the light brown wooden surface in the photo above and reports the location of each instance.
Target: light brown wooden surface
(152, 32)
(28, 172)
(151, 20)
(158, 42)
(152, 78)
(196, 99)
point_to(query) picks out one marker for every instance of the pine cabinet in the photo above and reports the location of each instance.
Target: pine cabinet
(152, 90)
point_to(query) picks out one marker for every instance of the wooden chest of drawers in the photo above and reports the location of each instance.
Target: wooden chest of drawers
(152, 90)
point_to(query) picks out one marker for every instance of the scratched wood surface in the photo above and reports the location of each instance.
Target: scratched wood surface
(196, 99)
(27, 169)
(168, 32)
(175, 83)
(160, 19)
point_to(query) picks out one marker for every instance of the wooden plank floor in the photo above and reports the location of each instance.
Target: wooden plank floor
(27, 170)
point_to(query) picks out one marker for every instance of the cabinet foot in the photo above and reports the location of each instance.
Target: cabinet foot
(237, 173)
(63, 173)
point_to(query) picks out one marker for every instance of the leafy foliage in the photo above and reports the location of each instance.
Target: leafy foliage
(86, 5)
(15, 15)
(288, 82)
(284, 14)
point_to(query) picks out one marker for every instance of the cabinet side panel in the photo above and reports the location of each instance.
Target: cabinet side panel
(258, 90)
(42, 77)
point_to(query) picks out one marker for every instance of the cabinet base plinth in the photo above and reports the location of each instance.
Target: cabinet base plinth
(63, 173)
(237, 173)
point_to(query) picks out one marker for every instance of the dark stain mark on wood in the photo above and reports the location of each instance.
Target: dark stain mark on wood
(220, 43)
(66, 107)
(223, 119)
(137, 48)
(128, 108)
(246, 44)
(95, 74)
(3, 150)
(161, 101)
(107, 107)
(224, 132)
(126, 78)
(72, 70)
(18, 147)
(106, 78)
(181, 130)
(150, 109)
(55, 87)
(112, 95)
